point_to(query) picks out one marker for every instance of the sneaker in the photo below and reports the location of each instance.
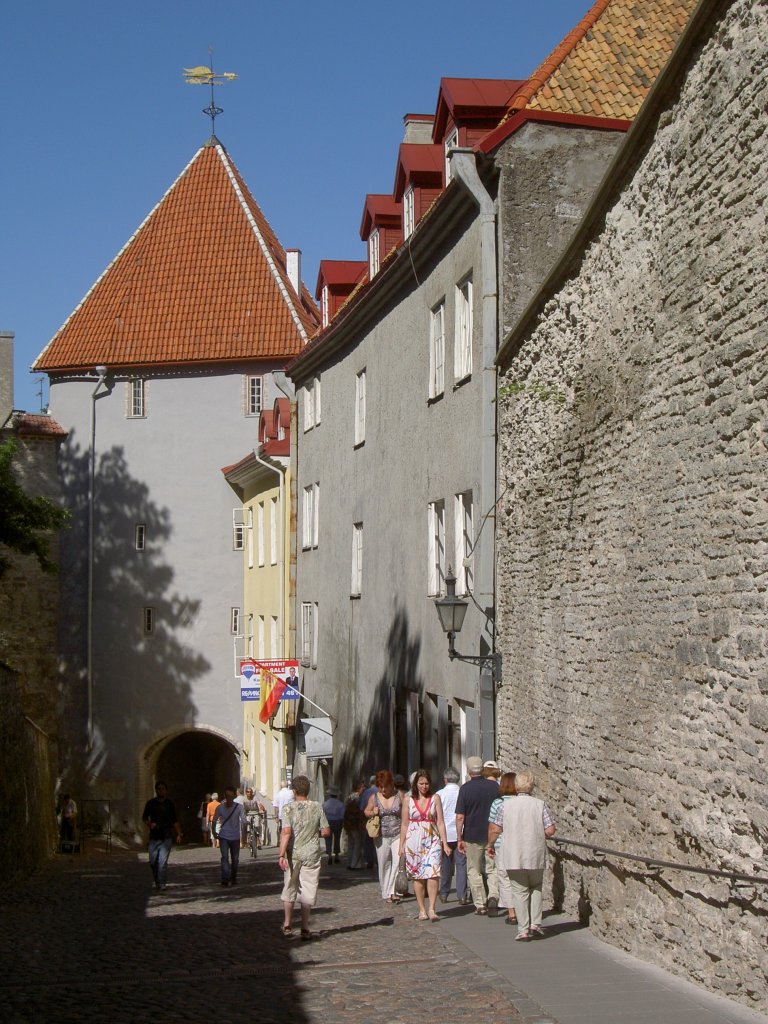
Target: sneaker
(492, 906)
(443, 899)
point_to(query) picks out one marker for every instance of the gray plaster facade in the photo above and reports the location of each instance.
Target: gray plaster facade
(147, 690)
(631, 535)
(382, 666)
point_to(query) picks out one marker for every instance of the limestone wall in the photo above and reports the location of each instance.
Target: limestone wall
(633, 531)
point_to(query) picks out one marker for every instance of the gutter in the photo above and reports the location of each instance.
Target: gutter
(619, 169)
(464, 169)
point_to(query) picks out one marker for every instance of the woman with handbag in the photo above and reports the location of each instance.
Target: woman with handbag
(382, 823)
(423, 841)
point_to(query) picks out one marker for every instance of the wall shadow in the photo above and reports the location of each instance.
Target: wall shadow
(141, 683)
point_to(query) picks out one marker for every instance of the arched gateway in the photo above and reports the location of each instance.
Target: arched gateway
(192, 762)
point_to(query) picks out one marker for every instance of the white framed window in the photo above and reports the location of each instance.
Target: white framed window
(462, 350)
(249, 534)
(312, 404)
(325, 305)
(273, 531)
(249, 638)
(140, 536)
(436, 548)
(360, 388)
(409, 212)
(464, 539)
(238, 529)
(261, 639)
(315, 632)
(254, 394)
(260, 531)
(149, 620)
(136, 398)
(273, 638)
(235, 621)
(451, 142)
(357, 560)
(373, 253)
(310, 531)
(437, 350)
(307, 644)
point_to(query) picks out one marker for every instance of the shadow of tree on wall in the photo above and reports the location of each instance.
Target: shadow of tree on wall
(368, 748)
(141, 682)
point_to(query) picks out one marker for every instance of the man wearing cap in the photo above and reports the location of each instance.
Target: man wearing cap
(472, 809)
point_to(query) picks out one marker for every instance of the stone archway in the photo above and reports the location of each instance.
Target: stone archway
(192, 764)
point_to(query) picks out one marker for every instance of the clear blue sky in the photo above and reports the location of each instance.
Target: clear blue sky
(98, 121)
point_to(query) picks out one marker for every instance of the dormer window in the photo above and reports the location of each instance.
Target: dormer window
(409, 219)
(373, 253)
(451, 142)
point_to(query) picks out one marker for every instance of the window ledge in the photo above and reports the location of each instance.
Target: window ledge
(358, 444)
(355, 597)
(462, 381)
(433, 399)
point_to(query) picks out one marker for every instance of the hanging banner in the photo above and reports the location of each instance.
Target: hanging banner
(269, 682)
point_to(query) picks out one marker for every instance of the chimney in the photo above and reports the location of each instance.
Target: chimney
(293, 268)
(6, 375)
(418, 128)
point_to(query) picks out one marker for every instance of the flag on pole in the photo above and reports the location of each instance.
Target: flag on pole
(272, 689)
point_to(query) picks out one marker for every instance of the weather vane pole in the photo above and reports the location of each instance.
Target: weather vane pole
(203, 75)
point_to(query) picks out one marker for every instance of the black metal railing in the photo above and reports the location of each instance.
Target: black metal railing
(733, 876)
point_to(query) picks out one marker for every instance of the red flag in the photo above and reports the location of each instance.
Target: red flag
(272, 689)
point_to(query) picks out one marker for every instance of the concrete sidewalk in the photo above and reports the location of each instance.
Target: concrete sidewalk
(581, 980)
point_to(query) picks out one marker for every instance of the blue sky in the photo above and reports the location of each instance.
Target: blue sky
(98, 121)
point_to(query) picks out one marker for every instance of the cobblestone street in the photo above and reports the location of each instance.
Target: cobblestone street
(89, 940)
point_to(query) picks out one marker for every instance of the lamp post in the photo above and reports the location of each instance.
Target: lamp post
(451, 611)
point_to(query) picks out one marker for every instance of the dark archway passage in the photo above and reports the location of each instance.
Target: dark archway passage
(193, 764)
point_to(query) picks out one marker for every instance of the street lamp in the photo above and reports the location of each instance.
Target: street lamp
(451, 611)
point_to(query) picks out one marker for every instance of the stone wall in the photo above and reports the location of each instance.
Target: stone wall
(632, 532)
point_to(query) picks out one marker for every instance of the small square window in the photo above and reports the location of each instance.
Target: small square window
(235, 621)
(148, 620)
(140, 536)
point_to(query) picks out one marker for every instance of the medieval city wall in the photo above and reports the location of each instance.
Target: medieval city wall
(632, 533)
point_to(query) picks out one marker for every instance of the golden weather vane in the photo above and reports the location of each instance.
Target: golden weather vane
(202, 75)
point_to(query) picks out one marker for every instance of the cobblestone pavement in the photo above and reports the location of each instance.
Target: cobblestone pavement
(88, 939)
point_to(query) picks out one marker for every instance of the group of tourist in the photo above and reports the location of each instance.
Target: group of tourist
(491, 832)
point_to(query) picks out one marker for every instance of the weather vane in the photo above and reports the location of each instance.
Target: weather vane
(203, 75)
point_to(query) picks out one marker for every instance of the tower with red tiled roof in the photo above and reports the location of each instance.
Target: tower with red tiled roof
(159, 374)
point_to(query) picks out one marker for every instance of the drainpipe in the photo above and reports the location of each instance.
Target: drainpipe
(102, 372)
(464, 169)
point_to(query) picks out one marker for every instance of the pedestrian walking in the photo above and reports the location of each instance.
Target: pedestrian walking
(423, 841)
(334, 812)
(524, 824)
(353, 826)
(283, 796)
(473, 805)
(229, 820)
(163, 823)
(68, 824)
(507, 791)
(304, 822)
(202, 814)
(455, 859)
(369, 851)
(210, 810)
(386, 805)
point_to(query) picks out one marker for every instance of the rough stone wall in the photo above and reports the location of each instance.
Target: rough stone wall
(632, 564)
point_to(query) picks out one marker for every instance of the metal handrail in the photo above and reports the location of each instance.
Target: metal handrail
(735, 876)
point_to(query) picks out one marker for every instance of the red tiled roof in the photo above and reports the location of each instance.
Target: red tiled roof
(202, 279)
(478, 97)
(379, 209)
(605, 66)
(27, 424)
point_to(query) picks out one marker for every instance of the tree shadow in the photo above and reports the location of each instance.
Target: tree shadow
(141, 679)
(380, 739)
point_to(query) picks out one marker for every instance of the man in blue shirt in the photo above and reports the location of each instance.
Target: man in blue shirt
(228, 821)
(473, 806)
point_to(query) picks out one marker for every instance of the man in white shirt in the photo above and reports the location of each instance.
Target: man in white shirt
(448, 796)
(283, 796)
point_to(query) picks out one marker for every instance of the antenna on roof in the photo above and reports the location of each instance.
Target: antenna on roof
(202, 75)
